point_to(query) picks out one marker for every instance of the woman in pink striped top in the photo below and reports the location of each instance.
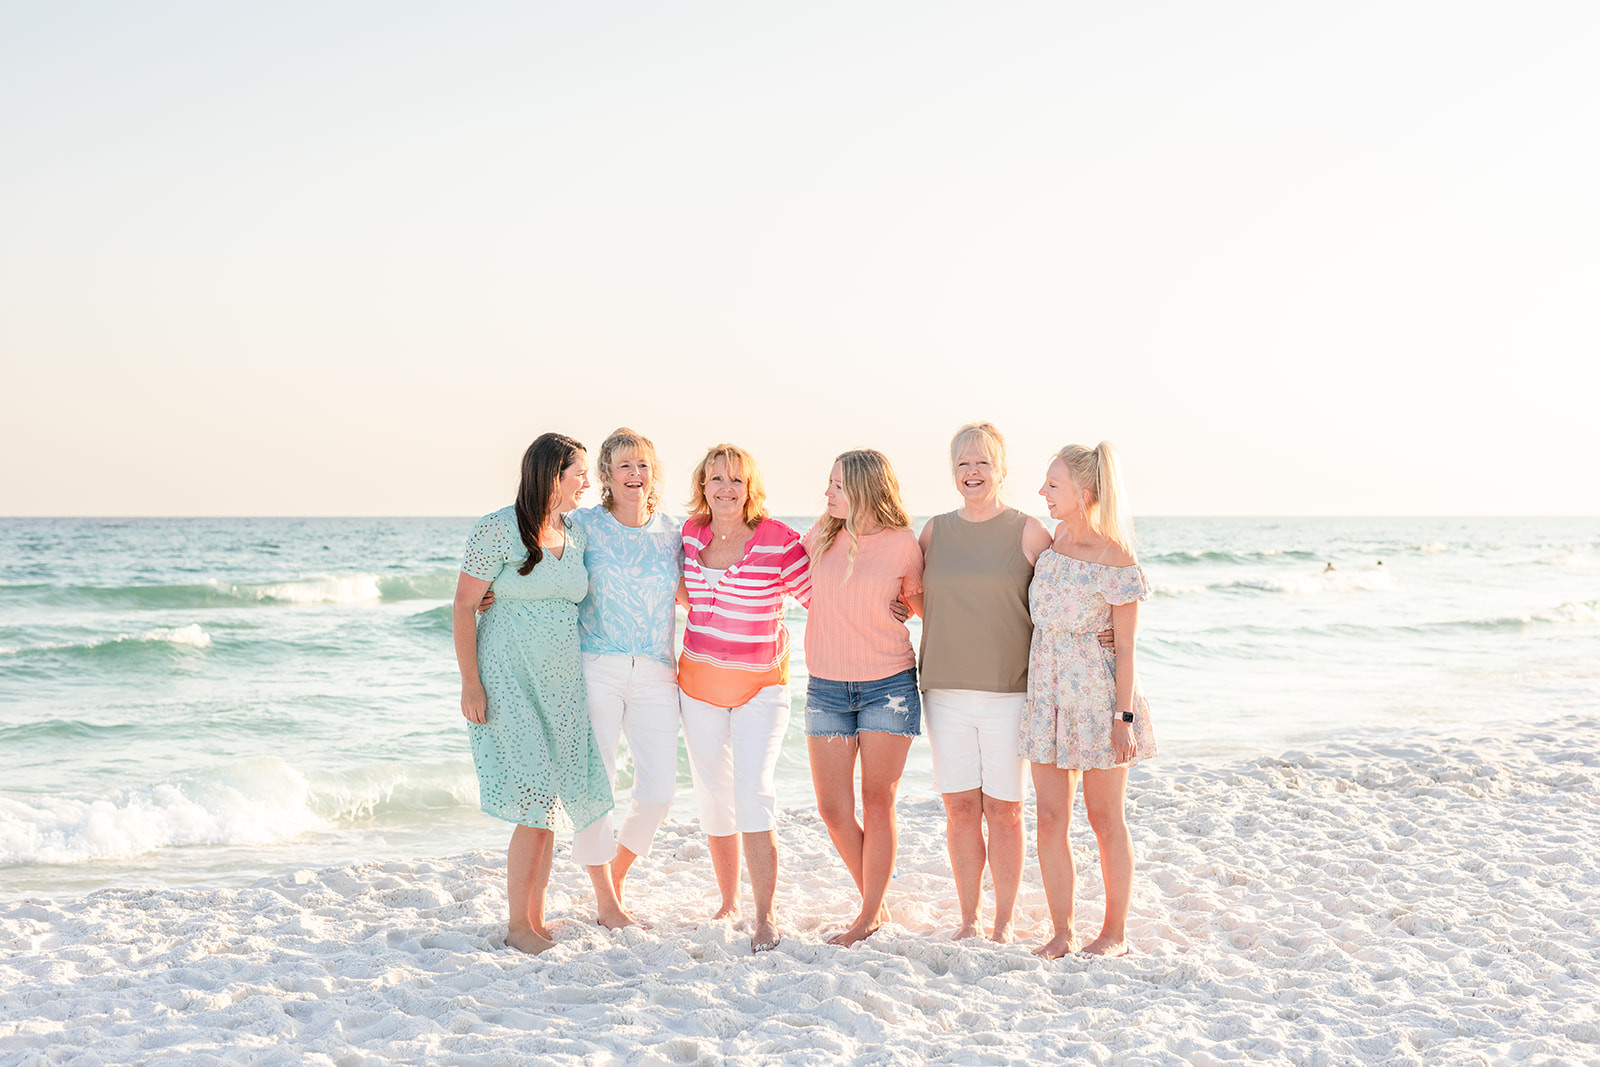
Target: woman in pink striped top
(861, 697)
(733, 673)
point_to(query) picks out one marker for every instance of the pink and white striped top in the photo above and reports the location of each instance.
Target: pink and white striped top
(735, 643)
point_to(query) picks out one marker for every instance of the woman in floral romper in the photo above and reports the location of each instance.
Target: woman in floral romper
(1085, 716)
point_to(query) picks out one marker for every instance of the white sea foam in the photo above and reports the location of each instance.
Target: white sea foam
(189, 636)
(1371, 580)
(1174, 589)
(366, 791)
(319, 589)
(355, 588)
(261, 802)
(1571, 612)
(1408, 901)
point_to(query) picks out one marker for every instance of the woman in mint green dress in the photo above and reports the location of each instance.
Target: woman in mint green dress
(522, 684)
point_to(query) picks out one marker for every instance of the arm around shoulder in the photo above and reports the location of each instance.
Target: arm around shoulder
(1035, 539)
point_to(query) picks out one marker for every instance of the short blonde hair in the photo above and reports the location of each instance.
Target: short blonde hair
(986, 439)
(744, 465)
(874, 494)
(622, 441)
(1099, 471)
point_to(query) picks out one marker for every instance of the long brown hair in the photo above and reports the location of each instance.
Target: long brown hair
(542, 464)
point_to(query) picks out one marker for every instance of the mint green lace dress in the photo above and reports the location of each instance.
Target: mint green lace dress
(536, 757)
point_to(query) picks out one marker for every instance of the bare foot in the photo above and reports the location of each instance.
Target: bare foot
(968, 928)
(860, 930)
(616, 885)
(729, 910)
(1105, 946)
(614, 919)
(529, 941)
(1001, 934)
(1058, 946)
(766, 937)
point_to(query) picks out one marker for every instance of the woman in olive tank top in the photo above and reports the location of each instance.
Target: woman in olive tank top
(974, 672)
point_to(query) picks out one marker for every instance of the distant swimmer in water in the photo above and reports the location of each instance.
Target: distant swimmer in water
(1328, 569)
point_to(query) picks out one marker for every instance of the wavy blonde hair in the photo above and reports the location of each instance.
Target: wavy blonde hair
(988, 441)
(622, 442)
(737, 460)
(874, 495)
(1099, 471)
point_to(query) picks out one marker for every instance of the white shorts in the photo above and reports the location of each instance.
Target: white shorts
(733, 753)
(976, 739)
(635, 697)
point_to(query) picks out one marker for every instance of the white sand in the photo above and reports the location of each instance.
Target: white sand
(1422, 901)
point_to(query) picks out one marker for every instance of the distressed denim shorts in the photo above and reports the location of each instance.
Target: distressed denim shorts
(889, 705)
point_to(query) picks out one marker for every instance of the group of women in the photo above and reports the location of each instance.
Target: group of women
(564, 622)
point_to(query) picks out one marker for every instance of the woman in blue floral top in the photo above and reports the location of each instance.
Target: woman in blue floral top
(625, 626)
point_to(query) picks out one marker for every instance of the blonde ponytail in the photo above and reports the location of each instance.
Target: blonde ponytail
(1098, 470)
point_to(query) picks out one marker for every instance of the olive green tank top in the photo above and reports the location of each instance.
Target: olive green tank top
(975, 626)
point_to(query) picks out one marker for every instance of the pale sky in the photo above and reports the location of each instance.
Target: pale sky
(351, 258)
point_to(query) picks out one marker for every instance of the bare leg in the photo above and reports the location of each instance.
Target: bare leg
(883, 760)
(528, 860)
(761, 857)
(833, 779)
(1005, 861)
(612, 917)
(619, 870)
(1104, 796)
(725, 862)
(1053, 790)
(964, 836)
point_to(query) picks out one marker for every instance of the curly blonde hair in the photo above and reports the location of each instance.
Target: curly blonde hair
(622, 442)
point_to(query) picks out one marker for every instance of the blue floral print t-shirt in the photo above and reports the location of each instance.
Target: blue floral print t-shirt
(633, 585)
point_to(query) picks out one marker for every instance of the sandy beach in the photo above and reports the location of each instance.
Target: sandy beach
(1423, 900)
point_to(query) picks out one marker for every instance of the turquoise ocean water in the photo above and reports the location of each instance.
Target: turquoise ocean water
(206, 701)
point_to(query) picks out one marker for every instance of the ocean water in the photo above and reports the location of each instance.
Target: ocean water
(206, 701)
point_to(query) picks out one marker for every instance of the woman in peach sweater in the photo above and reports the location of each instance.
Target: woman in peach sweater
(862, 702)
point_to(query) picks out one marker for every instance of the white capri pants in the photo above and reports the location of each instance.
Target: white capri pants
(976, 739)
(733, 753)
(637, 698)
